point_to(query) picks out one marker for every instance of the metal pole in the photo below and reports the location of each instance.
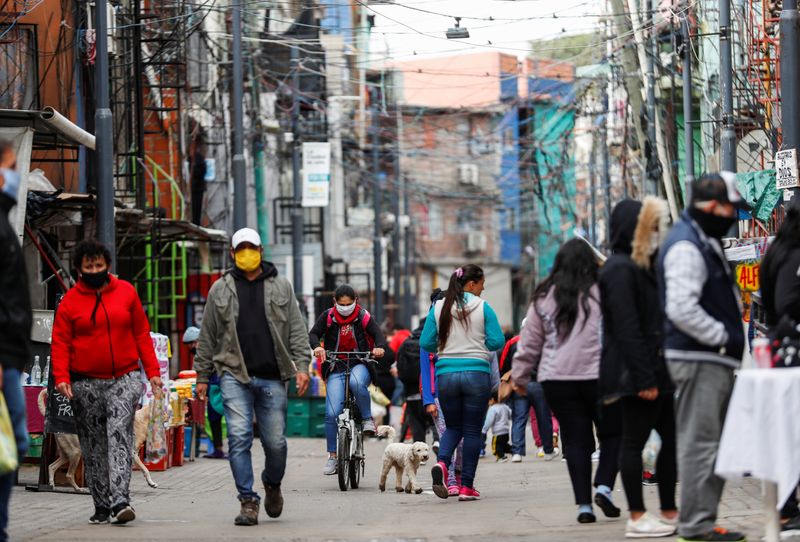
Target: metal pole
(688, 140)
(106, 232)
(728, 136)
(790, 75)
(408, 269)
(237, 98)
(606, 172)
(398, 182)
(653, 169)
(297, 187)
(376, 201)
(593, 191)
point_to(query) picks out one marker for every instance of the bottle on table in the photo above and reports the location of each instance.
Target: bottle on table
(36, 372)
(46, 375)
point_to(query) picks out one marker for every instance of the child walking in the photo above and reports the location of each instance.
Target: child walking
(498, 419)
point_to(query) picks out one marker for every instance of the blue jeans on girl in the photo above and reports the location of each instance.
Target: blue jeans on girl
(464, 398)
(359, 381)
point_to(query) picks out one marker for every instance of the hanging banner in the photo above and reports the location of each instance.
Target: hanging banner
(316, 174)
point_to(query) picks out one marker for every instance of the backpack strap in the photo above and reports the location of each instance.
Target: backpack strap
(504, 355)
(330, 318)
(365, 318)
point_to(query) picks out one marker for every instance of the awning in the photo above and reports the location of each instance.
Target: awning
(51, 128)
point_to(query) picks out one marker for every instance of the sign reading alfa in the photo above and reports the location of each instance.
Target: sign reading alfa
(786, 169)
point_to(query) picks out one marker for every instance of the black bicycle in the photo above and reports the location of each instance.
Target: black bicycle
(349, 436)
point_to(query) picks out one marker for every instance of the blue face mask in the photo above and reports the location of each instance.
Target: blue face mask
(12, 180)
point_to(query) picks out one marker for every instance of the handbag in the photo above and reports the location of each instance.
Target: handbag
(506, 388)
(8, 443)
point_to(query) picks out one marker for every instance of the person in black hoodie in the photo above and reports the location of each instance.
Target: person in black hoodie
(632, 367)
(16, 319)
(780, 296)
(408, 371)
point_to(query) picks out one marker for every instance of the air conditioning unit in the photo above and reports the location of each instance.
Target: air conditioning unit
(111, 22)
(476, 241)
(468, 174)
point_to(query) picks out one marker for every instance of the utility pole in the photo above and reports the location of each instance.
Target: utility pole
(106, 229)
(728, 136)
(377, 247)
(237, 98)
(688, 140)
(652, 171)
(408, 269)
(790, 76)
(606, 172)
(297, 187)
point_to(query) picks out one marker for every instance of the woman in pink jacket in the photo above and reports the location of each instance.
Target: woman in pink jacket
(560, 345)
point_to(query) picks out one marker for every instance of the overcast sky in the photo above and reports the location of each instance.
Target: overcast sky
(400, 31)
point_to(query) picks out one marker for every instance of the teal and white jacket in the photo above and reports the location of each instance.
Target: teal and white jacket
(468, 348)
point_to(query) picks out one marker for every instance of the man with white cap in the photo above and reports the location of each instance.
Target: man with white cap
(255, 338)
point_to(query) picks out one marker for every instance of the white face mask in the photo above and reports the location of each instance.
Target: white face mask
(345, 310)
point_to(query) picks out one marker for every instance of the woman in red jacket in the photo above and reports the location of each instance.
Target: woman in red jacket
(99, 336)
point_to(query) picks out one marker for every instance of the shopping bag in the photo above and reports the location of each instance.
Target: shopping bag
(156, 444)
(8, 444)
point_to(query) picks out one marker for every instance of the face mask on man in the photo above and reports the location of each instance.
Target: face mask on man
(345, 310)
(95, 280)
(247, 259)
(11, 181)
(714, 226)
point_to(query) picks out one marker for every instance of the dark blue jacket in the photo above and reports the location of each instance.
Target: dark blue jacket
(718, 300)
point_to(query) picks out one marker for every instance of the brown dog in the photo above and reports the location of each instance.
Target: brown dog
(69, 447)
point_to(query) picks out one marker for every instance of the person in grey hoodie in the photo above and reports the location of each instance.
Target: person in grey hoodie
(561, 343)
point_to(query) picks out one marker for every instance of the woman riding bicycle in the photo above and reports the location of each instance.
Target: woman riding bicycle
(347, 327)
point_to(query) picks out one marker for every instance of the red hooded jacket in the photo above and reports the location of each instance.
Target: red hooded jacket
(102, 336)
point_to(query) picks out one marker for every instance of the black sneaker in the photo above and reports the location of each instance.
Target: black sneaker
(716, 535)
(607, 506)
(792, 525)
(123, 514)
(273, 503)
(586, 517)
(100, 516)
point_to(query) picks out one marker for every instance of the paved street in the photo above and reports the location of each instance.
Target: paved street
(527, 501)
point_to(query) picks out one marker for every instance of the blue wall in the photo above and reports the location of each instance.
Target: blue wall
(338, 19)
(509, 179)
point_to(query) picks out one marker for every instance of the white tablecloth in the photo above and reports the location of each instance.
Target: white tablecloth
(762, 430)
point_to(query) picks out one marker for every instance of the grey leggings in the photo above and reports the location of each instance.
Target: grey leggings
(104, 411)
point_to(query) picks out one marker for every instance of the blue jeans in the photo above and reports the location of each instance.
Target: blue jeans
(334, 404)
(268, 399)
(520, 406)
(464, 398)
(15, 399)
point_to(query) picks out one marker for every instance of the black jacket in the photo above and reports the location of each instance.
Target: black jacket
(16, 317)
(780, 285)
(633, 357)
(408, 369)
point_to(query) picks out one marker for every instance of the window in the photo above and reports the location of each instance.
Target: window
(18, 68)
(435, 221)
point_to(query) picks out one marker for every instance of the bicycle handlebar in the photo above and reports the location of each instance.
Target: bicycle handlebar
(339, 357)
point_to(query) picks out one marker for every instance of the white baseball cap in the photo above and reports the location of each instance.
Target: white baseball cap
(245, 235)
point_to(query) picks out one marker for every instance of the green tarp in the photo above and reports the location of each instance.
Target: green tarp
(759, 190)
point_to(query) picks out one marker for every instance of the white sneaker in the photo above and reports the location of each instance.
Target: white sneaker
(648, 526)
(540, 452)
(595, 456)
(516, 458)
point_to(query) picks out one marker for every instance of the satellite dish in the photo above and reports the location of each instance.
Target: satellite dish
(754, 152)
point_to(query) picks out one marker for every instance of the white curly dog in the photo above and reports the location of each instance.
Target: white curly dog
(405, 458)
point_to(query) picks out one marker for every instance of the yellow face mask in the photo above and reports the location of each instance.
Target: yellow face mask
(247, 259)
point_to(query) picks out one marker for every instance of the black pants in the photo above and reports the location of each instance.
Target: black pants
(500, 446)
(417, 419)
(575, 404)
(216, 432)
(198, 192)
(639, 417)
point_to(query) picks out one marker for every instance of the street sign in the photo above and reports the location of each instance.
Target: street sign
(316, 174)
(786, 169)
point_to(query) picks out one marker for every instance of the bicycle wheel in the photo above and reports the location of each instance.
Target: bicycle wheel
(343, 458)
(355, 472)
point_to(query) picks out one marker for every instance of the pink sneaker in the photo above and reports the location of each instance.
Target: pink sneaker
(439, 476)
(468, 494)
(453, 491)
